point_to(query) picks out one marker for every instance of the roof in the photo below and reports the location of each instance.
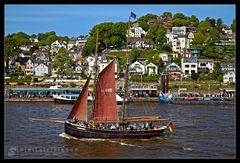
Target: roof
(22, 60)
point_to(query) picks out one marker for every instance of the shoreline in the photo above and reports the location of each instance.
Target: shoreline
(139, 99)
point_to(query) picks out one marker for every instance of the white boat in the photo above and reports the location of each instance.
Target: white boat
(71, 98)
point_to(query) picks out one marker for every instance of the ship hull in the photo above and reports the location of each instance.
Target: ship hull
(81, 132)
(60, 101)
(196, 102)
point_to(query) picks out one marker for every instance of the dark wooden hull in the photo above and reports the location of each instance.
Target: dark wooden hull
(81, 132)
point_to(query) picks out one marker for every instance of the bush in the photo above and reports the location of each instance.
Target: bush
(28, 77)
(20, 83)
(73, 84)
(35, 79)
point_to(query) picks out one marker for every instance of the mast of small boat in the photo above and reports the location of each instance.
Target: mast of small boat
(96, 74)
(126, 77)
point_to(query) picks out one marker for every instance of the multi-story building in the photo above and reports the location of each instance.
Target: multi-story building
(190, 60)
(174, 71)
(135, 31)
(179, 38)
(206, 64)
(229, 73)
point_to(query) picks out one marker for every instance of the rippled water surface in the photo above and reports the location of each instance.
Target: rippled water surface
(200, 132)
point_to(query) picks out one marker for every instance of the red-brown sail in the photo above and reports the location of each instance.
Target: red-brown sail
(80, 107)
(105, 109)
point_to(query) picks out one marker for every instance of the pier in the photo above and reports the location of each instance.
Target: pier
(34, 99)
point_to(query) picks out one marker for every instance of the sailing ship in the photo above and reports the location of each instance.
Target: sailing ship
(105, 112)
(104, 122)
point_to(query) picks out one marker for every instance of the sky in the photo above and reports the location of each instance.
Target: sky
(75, 20)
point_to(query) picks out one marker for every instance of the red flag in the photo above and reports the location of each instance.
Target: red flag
(170, 127)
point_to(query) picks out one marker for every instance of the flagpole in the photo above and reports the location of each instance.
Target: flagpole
(126, 75)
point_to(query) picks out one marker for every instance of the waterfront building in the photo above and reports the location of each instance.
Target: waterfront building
(174, 71)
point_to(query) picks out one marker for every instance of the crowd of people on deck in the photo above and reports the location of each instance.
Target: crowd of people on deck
(113, 126)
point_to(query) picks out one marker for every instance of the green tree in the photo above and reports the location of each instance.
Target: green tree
(11, 49)
(177, 61)
(194, 20)
(167, 14)
(50, 39)
(143, 21)
(178, 16)
(179, 19)
(233, 26)
(158, 34)
(199, 39)
(134, 55)
(89, 47)
(110, 34)
(219, 22)
(63, 62)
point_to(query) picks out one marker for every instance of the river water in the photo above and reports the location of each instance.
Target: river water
(199, 132)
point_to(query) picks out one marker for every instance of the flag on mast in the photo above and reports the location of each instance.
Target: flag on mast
(170, 127)
(133, 15)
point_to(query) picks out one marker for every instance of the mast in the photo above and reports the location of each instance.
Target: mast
(96, 74)
(126, 76)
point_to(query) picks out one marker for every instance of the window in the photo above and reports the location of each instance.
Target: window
(186, 71)
(193, 66)
(187, 66)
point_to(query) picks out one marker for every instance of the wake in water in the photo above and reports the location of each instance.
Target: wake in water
(187, 149)
(64, 135)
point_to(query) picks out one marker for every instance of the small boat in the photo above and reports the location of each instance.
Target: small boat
(71, 98)
(196, 101)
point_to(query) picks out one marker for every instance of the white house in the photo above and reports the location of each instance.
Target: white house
(206, 64)
(102, 63)
(189, 65)
(179, 30)
(42, 69)
(151, 69)
(78, 69)
(72, 42)
(229, 73)
(136, 31)
(229, 76)
(56, 45)
(179, 38)
(137, 67)
(174, 71)
(25, 47)
(165, 57)
(81, 40)
(29, 67)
